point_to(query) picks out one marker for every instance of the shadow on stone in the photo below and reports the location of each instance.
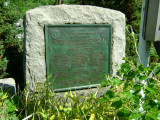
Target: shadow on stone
(8, 85)
(15, 66)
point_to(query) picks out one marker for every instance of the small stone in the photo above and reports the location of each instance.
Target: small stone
(8, 85)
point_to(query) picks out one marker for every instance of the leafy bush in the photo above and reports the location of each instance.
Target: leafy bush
(135, 95)
(11, 47)
(9, 16)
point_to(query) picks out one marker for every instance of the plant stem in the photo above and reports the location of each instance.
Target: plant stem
(135, 45)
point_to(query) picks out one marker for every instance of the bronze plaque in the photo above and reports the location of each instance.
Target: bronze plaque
(77, 56)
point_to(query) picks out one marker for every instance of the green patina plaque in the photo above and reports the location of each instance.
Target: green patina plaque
(77, 55)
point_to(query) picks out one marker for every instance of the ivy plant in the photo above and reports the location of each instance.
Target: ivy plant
(135, 92)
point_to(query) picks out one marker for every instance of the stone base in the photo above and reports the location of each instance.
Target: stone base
(8, 85)
(82, 95)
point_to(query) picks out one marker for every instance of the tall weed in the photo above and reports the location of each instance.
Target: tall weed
(7, 107)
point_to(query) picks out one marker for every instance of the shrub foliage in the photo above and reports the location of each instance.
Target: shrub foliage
(11, 46)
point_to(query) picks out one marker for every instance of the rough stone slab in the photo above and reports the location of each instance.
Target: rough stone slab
(34, 46)
(81, 94)
(8, 85)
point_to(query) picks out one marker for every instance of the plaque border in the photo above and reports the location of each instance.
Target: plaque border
(77, 25)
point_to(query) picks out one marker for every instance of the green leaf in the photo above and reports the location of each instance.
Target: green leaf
(129, 94)
(157, 69)
(142, 77)
(141, 68)
(124, 112)
(154, 113)
(52, 117)
(125, 86)
(151, 88)
(136, 99)
(151, 81)
(131, 74)
(125, 68)
(137, 88)
(158, 75)
(117, 104)
(105, 83)
(119, 73)
(110, 94)
(43, 115)
(134, 116)
(116, 81)
(102, 100)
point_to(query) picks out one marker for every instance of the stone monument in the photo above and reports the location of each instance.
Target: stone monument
(73, 44)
